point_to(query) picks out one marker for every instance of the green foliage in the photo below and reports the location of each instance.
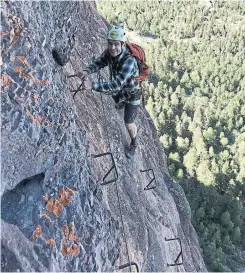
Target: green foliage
(199, 215)
(182, 143)
(174, 157)
(236, 234)
(226, 221)
(179, 174)
(209, 135)
(190, 160)
(218, 227)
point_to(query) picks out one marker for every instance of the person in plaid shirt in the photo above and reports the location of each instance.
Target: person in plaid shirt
(125, 90)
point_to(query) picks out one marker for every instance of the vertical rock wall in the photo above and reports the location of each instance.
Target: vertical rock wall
(52, 210)
(56, 216)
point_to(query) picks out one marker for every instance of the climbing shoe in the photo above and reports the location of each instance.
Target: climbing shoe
(131, 151)
(120, 105)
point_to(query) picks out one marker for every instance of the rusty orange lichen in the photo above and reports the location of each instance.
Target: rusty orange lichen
(29, 114)
(69, 250)
(28, 76)
(66, 250)
(50, 242)
(24, 76)
(15, 31)
(68, 246)
(4, 33)
(23, 60)
(34, 119)
(35, 81)
(65, 229)
(66, 196)
(72, 236)
(54, 206)
(37, 232)
(37, 119)
(46, 216)
(15, 34)
(75, 250)
(19, 69)
(36, 96)
(44, 82)
(5, 80)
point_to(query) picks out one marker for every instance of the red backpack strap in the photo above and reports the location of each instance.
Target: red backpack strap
(136, 51)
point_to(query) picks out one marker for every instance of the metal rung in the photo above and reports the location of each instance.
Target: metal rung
(148, 186)
(129, 265)
(80, 86)
(113, 167)
(180, 254)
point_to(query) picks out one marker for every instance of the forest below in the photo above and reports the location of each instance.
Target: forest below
(196, 98)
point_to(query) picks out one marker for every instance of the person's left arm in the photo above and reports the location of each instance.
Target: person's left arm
(116, 85)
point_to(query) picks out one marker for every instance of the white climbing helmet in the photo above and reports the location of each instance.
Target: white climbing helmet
(116, 33)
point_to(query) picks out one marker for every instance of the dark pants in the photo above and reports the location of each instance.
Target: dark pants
(130, 111)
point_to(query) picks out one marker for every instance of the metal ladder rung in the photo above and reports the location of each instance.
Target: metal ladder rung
(179, 255)
(113, 167)
(129, 265)
(148, 185)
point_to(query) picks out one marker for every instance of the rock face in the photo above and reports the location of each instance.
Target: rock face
(56, 214)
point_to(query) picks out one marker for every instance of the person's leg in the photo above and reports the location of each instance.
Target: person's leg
(132, 130)
(129, 118)
(118, 104)
(115, 98)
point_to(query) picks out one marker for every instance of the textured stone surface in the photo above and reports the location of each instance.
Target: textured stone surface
(47, 144)
(44, 148)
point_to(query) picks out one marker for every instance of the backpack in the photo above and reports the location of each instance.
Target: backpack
(138, 52)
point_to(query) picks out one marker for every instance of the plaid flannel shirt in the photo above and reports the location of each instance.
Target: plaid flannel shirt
(123, 71)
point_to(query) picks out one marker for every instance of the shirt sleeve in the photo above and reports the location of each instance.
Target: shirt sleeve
(99, 63)
(116, 85)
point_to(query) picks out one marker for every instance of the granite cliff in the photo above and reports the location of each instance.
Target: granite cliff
(55, 213)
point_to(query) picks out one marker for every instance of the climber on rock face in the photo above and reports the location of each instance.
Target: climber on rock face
(123, 87)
